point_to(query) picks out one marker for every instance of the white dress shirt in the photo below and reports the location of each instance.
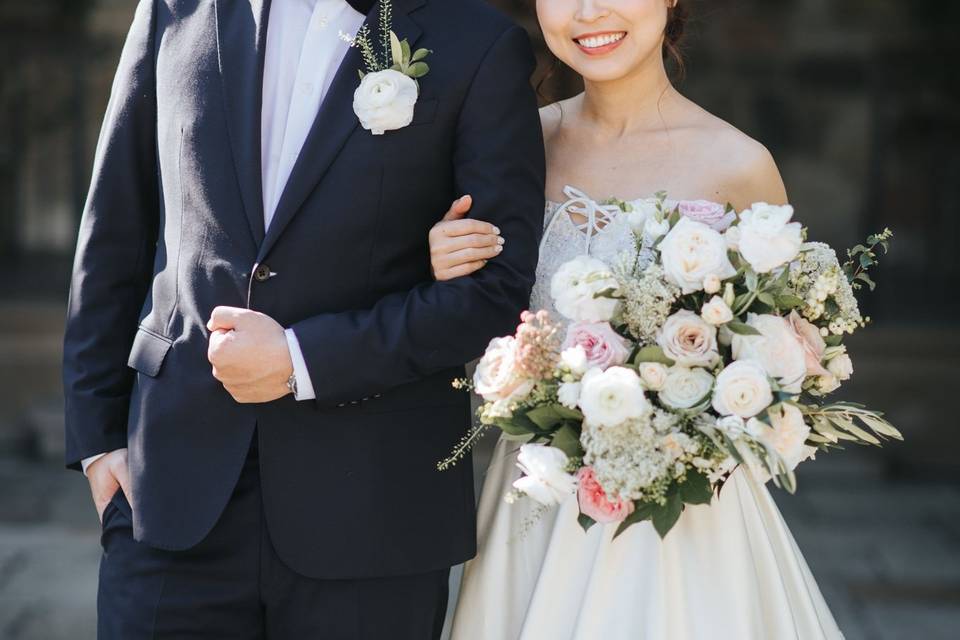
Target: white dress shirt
(304, 50)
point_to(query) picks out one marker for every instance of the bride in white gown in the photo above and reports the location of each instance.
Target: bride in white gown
(730, 570)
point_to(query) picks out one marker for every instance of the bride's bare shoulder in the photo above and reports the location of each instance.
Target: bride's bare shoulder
(748, 172)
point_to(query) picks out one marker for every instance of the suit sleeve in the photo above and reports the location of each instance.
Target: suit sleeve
(499, 160)
(114, 258)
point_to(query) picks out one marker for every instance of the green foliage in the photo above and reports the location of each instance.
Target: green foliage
(864, 256)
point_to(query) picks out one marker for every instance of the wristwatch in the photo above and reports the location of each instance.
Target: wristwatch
(292, 384)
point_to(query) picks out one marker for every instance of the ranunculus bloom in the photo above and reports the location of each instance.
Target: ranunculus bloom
(611, 397)
(777, 349)
(603, 346)
(812, 342)
(712, 214)
(595, 503)
(691, 252)
(574, 288)
(688, 340)
(496, 377)
(653, 374)
(716, 312)
(384, 101)
(545, 479)
(685, 388)
(742, 389)
(767, 238)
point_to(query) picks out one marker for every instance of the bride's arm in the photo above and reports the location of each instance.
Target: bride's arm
(460, 246)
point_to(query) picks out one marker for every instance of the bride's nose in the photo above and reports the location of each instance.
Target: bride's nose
(592, 10)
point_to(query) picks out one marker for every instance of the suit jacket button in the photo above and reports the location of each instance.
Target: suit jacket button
(262, 273)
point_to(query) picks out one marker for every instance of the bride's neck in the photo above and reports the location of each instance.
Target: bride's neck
(630, 103)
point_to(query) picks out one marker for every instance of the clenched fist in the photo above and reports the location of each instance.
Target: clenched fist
(249, 354)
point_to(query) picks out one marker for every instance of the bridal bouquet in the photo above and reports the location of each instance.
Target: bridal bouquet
(714, 344)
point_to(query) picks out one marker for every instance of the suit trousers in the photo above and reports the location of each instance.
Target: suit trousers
(233, 585)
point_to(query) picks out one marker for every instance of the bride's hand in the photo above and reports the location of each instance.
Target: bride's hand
(459, 246)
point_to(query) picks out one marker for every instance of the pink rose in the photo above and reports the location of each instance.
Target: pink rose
(712, 214)
(812, 342)
(603, 346)
(594, 502)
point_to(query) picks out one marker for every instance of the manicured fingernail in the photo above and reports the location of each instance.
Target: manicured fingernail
(499, 248)
(501, 240)
(496, 230)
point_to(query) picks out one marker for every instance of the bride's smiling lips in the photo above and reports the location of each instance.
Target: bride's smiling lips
(600, 43)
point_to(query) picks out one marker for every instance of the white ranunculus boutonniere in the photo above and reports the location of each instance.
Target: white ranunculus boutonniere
(388, 89)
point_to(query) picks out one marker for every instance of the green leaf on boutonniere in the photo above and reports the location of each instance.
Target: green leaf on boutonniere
(742, 329)
(396, 49)
(418, 70)
(420, 54)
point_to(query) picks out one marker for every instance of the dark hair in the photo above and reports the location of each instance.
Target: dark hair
(677, 17)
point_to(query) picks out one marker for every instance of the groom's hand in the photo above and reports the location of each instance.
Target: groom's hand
(107, 475)
(249, 354)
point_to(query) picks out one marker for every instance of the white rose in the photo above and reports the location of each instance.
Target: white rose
(574, 288)
(691, 252)
(655, 229)
(712, 284)
(777, 349)
(742, 389)
(788, 435)
(686, 388)
(731, 426)
(641, 211)
(546, 479)
(384, 101)
(497, 377)
(569, 394)
(841, 367)
(575, 359)
(688, 340)
(611, 397)
(716, 312)
(767, 237)
(653, 375)
(732, 237)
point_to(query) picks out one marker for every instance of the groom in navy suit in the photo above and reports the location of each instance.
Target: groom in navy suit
(258, 363)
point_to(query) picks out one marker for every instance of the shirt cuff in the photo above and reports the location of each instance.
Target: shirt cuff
(304, 384)
(86, 462)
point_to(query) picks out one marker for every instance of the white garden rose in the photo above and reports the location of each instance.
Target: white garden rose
(777, 349)
(653, 375)
(688, 340)
(691, 252)
(611, 397)
(841, 366)
(497, 377)
(787, 435)
(574, 288)
(384, 101)
(686, 388)
(716, 312)
(569, 394)
(545, 479)
(742, 389)
(575, 359)
(767, 237)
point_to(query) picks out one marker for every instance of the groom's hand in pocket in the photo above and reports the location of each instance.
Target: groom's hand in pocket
(106, 476)
(249, 354)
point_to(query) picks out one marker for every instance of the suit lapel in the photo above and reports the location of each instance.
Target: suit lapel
(241, 38)
(333, 125)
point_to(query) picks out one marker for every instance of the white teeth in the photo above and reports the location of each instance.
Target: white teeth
(595, 42)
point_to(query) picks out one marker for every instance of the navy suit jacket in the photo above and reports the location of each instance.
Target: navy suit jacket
(173, 227)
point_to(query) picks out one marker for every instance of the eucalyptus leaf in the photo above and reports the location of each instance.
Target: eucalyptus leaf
(419, 55)
(418, 69)
(405, 52)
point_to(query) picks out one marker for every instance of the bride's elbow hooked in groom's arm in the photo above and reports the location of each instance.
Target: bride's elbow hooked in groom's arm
(498, 160)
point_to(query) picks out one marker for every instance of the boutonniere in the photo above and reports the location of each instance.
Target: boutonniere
(388, 89)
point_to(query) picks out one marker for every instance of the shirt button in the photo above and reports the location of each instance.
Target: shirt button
(262, 273)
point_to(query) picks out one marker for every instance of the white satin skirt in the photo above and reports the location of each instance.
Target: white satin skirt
(730, 570)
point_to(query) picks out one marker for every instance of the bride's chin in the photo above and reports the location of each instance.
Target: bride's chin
(602, 72)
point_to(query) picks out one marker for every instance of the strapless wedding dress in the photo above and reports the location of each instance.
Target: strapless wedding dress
(727, 571)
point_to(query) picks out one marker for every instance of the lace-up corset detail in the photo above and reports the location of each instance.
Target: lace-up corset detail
(604, 235)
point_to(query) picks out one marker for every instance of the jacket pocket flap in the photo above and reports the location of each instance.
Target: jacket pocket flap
(148, 352)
